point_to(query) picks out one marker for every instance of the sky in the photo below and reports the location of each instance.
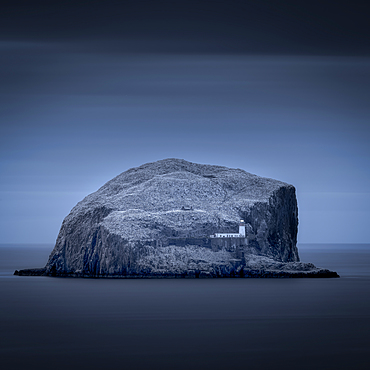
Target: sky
(90, 89)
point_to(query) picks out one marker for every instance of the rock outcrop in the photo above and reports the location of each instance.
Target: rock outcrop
(156, 220)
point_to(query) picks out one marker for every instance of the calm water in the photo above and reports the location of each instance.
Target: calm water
(187, 324)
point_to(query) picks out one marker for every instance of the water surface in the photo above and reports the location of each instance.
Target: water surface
(187, 324)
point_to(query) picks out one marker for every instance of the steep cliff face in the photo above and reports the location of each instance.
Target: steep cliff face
(130, 220)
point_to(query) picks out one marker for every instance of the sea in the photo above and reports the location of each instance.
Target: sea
(67, 323)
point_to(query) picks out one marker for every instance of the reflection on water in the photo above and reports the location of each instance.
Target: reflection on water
(186, 324)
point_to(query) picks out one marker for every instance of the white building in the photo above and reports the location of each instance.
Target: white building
(232, 235)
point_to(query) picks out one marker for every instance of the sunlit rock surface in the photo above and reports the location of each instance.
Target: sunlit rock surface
(155, 221)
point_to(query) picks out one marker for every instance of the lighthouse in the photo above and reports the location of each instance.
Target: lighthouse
(242, 228)
(241, 234)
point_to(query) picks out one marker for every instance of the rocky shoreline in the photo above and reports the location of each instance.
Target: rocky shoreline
(225, 266)
(256, 274)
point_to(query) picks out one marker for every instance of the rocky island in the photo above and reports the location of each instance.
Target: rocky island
(174, 218)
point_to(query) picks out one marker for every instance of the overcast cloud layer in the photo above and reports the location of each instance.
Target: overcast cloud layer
(79, 104)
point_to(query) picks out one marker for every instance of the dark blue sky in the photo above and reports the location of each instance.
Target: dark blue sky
(88, 91)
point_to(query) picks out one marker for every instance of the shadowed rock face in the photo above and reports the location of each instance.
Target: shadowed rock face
(124, 228)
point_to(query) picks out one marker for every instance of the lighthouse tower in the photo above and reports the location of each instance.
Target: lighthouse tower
(242, 228)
